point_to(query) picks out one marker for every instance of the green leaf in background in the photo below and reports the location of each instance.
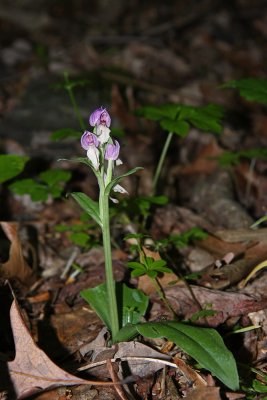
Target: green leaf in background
(205, 345)
(234, 157)
(183, 239)
(252, 89)
(65, 133)
(49, 182)
(206, 118)
(181, 128)
(88, 205)
(11, 166)
(132, 303)
(55, 176)
(177, 117)
(37, 191)
(157, 113)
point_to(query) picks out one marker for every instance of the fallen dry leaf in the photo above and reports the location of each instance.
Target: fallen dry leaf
(16, 267)
(227, 304)
(205, 393)
(31, 370)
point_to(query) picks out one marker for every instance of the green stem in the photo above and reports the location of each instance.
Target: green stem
(162, 296)
(161, 161)
(111, 289)
(73, 102)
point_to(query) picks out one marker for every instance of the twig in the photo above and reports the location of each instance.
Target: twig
(115, 380)
(69, 263)
(130, 358)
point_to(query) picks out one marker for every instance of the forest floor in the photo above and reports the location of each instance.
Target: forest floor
(123, 57)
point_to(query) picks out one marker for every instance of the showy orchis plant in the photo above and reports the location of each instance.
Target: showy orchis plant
(102, 157)
(126, 306)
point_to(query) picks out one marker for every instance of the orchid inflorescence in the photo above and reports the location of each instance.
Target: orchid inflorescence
(100, 147)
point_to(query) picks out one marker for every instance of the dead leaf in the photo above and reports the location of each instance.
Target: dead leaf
(227, 304)
(204, 393)
(191, 375)
(16, 267)
(31, 370)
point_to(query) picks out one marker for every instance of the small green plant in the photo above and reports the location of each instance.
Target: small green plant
(120, 307)
(11, 165)
(181, 240)
(48, 183)
(229, 158)
(150, 267)
(177, 119)
(83, 235)
(258, 386)
(252, 89)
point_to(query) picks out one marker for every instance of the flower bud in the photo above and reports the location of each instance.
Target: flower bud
(100, 117)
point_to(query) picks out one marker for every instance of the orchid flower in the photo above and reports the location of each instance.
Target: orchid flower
(90, 143)
(100, 117)
(112, 151)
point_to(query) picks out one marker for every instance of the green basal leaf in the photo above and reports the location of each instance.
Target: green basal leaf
(37, 191)
(97, 298)
(11, 166)
(65, 133)
(181, 128)
(252, 89)
(132, 303)
(128, 332)
(119, 178)
(205, 345)
(88, 205)
(55, 176)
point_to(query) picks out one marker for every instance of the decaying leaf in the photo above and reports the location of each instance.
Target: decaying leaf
(205, 393)
(16, 267)
(31, 370)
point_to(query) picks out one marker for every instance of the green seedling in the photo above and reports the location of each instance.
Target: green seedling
(48, 183)
(177, 119)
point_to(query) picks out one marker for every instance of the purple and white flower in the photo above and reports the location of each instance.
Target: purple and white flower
(100, 117)
(90, 142)
(89, 139)
(112, 151)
